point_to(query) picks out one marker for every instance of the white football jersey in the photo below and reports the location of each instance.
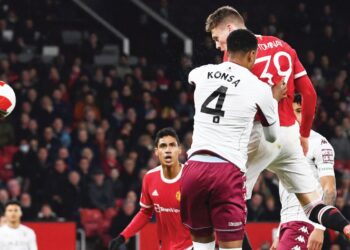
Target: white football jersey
(21, 238)
(227, 97)
(321, 160)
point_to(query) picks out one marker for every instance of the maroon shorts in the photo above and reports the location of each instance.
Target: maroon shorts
(294, 235)
(213, 198)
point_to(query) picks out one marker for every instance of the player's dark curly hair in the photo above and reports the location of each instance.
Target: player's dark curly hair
(241, 40)
(297, 98)
(166, 132)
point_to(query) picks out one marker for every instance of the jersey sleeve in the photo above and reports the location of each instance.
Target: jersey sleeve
(194, 76)
(145, 200)
(32, 242)
(324, 158)
(267, 105)
(138, 222)
(299, 69)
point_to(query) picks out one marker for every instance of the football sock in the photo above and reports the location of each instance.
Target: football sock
(204, 246)
(327, 216)
(246, 244)
(230, 248)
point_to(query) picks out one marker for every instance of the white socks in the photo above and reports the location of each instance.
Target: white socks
(203, 246)
(230, 248)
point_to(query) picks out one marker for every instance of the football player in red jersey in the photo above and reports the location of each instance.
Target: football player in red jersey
(161, 194)
(277, 60)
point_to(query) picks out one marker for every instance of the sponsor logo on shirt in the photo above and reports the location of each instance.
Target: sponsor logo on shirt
(178, 196)
(296, 247)
(235, 224)
(155, 193)
(160, 209)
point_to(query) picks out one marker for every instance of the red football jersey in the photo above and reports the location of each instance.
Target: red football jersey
(276, 60)
(163, 196)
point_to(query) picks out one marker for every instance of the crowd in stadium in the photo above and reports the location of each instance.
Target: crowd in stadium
(81, 135)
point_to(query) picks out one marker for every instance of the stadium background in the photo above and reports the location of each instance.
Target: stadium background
(80, 139)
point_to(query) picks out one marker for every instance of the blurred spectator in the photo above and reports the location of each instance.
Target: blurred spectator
(46, 214)
(14, 189)
(117, 184)
(101, 191)
(256, 207)
(73, 197)
(123, 218)
(4, 197)
(110, 162)
(55, 182)
(28, 209)
(340, 144)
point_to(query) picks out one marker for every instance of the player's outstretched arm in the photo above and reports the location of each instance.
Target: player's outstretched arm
(137, 223)
(303, 85)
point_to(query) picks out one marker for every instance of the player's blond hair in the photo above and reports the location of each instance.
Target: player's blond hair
(222, 14)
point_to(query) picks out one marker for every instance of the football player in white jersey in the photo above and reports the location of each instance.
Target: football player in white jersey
(13, 235)
(227, 98)
(296, 230)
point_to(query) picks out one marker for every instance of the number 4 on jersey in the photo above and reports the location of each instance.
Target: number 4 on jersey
(217, 112)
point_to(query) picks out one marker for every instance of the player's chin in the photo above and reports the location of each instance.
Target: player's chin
(168, 161)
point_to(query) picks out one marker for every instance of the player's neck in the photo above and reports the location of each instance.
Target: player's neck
(238, 61)
(14, 225)
(170, 172)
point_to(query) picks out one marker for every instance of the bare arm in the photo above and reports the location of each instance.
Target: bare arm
(329, 189)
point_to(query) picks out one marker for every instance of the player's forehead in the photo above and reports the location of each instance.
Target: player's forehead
(166, 140)
(12, 208)
(296, 106)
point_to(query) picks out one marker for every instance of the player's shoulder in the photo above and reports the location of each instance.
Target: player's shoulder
(272, 42)
(197, 73)
(26, 229)
(203, 68)
(152, 173)
(319, 140)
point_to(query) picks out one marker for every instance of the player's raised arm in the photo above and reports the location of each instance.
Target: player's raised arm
(303, 85)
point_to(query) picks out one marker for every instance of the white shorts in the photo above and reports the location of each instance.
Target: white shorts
(284, 157)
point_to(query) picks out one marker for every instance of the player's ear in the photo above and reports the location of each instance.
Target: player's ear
(180, 148)
(156, 152)
(252, 56)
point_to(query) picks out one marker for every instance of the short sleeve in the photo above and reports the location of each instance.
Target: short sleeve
(324, 158)
(145, 200)
(267, 105)
(194, 76)
(32, 241)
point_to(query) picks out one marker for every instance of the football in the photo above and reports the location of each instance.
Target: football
(7, 99)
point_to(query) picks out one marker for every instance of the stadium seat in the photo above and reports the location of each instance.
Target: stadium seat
(110, 213)
(339, 164)
(119, 203)
(91, 220)
(72, 37)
